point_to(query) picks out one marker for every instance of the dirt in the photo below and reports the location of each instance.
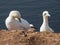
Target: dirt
(28, 37)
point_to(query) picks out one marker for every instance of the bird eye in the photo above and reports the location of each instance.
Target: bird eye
(45, 14)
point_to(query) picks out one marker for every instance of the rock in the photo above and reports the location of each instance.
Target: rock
(28, 37)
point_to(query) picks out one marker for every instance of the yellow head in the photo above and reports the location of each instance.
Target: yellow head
(15, 14)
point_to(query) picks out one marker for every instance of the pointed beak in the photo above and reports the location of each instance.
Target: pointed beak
(49, 15)
(19, 19)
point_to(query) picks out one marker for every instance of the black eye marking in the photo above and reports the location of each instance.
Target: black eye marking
(45, 14)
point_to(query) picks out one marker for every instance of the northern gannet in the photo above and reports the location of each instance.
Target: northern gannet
(45, 26)
(15, 22)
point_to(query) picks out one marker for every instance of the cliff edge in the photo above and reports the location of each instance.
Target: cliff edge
(21, 37)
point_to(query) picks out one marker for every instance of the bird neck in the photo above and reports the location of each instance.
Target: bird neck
(45, 20)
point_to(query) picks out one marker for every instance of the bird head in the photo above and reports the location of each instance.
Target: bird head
(46, 13)
(15, 14)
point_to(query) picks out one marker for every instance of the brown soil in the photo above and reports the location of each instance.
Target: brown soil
(21, 37)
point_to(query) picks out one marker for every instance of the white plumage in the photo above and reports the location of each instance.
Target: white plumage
(15, 22)
(45, 26)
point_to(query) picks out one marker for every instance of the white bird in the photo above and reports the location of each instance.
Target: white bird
(45, 26)
(15, 22)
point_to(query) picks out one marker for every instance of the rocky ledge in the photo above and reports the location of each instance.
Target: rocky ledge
(21, 37)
